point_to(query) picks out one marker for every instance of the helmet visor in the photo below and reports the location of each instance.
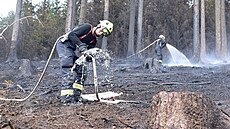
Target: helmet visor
(105, 32)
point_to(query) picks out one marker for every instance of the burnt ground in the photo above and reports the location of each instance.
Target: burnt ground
(44, 111)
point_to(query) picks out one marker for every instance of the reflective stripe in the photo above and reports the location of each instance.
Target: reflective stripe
(77, 86)
(92, 40)
(66, 92)
(83, 36)
(105, 32)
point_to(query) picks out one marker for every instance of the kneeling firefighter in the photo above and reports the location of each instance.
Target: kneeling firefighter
(70, 47)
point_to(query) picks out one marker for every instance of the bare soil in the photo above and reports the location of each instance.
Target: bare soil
(43, 109)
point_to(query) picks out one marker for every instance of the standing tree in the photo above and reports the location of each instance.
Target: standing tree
(202, 35)
(82, 15)
(106, 16)
(196, 41)
(73, 23)
(70, 18)
(218, 31)
(14, 39)
(139, 26)
(131, 28)
(224, 47)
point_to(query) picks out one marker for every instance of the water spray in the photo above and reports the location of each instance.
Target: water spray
(94, 53)
(178, 57)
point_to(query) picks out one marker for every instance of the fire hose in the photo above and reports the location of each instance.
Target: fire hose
(95, 78)
(144, 48)
(82, 58)
(80, 61)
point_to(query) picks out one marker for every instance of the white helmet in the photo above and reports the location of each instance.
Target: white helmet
(162, 37)
(107, 27)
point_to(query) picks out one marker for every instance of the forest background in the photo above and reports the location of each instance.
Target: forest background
(172, 18)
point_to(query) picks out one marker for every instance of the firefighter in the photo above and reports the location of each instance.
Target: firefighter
(158, 49)
(70, 47)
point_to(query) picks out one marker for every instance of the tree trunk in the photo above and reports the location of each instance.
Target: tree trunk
(73, 19)
(218, 31)
(184, 110)
(202, 35)
(224, 47)
(82, 11)
(196, 40)
(70, 15)
(106, 16)
(139, 27)
(131, 28)
(14, 39)
(151, 51)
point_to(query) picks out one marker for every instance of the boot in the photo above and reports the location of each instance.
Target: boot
(77, 95)
(67, 99)
(77, 91)
(67, 96)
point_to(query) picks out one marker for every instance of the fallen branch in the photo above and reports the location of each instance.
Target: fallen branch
(11, 83)
(47, 92)
(5, 124)
(180, 83)
(124, 123)
(11, 126)
(8, 83)
(225, 113)
(23, 90)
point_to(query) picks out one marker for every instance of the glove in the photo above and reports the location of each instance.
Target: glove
(88, 56)
(82, 47)
(163, 45)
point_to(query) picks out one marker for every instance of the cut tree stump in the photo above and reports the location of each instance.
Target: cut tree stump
(148, 64)
(152, 64)
(184, 110)
(26, 68)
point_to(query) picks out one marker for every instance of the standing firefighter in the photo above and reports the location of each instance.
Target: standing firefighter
(158, 49)
(70, 47)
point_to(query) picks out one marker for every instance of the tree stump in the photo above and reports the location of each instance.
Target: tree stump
(148, 63)
(26, 68)
(153, 65)
(184, 110)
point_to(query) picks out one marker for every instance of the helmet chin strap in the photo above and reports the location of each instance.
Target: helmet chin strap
(96, 30)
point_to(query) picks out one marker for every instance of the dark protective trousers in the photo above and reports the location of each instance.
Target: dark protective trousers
(66, 53)
(158, 51)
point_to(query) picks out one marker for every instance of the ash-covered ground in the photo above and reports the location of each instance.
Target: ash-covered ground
(43, 109)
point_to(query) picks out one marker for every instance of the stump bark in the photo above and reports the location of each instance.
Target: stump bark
(184, 110)
(153, 65)
(148, 63)
(26, 68)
